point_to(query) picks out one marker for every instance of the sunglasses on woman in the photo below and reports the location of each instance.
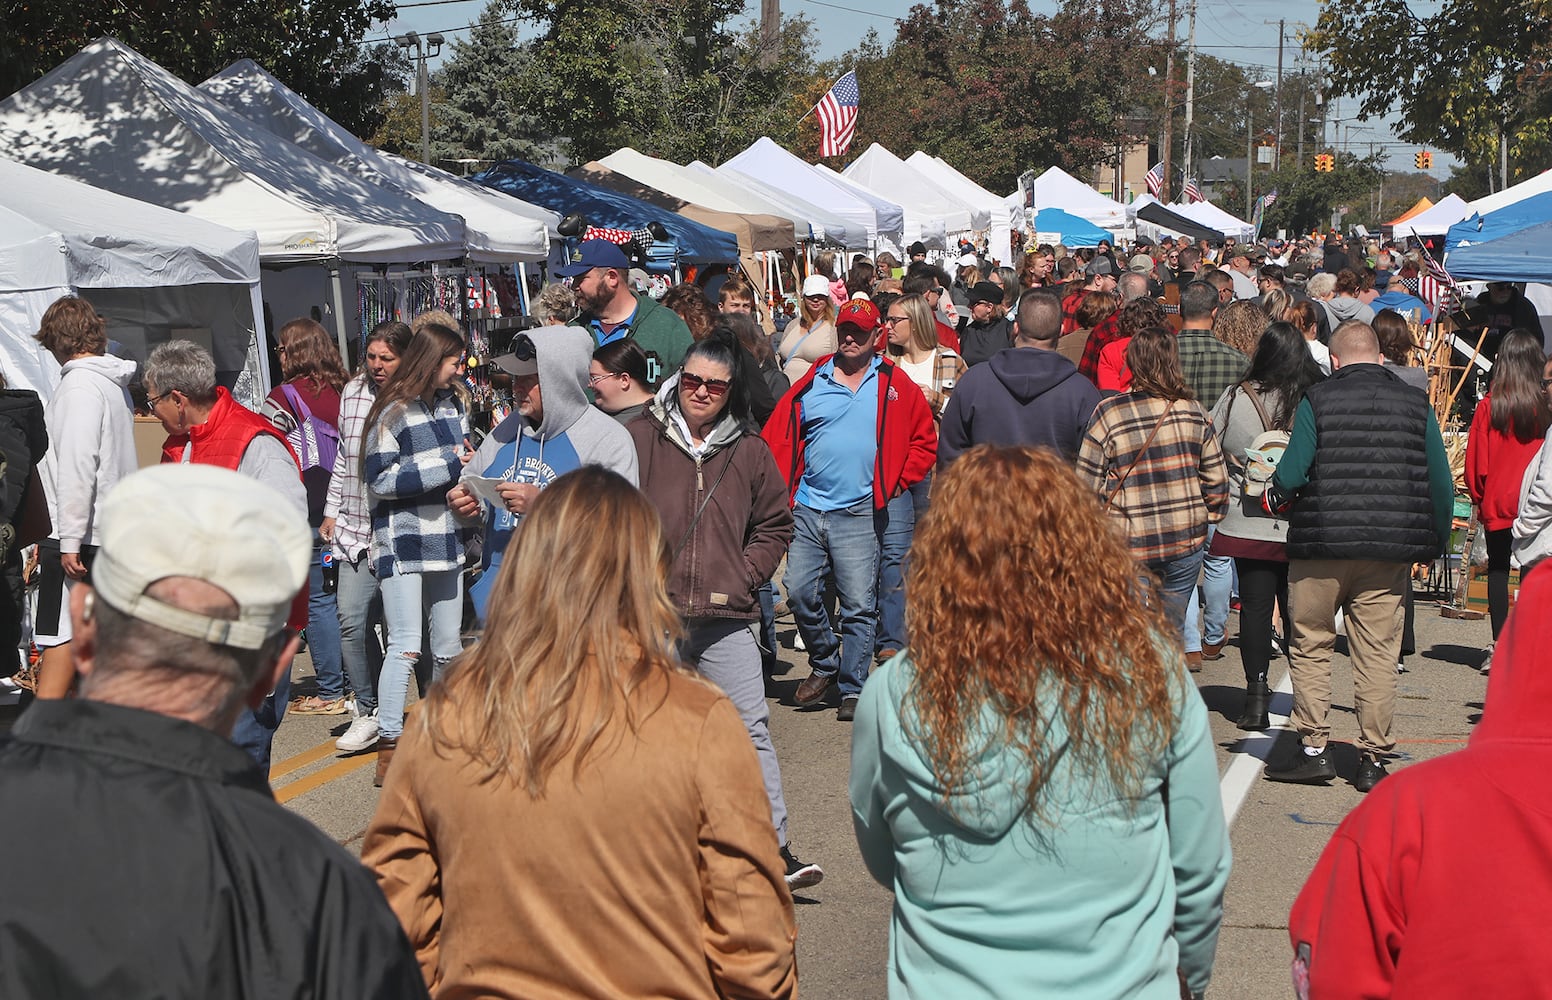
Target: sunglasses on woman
(693, 383)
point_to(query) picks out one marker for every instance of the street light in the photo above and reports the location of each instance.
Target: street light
(1250, 136)
(411, 40)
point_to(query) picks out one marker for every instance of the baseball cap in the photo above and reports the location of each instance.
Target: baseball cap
(1141, 263)
(816, 284)
(211, 524)
(523, 359)
(590, 254)
(1099, 265)
(1238, 252)
(859, 313)
(969, 260)
(985, 291)
(1381, 279)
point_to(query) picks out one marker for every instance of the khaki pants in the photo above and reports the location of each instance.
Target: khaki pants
(1371, 594)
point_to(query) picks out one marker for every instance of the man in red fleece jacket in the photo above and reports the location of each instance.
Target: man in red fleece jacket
(1439, 885)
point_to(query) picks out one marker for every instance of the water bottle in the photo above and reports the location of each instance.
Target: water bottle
(330, 571)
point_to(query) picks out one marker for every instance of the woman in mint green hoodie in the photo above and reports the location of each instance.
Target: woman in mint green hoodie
(1033, 777)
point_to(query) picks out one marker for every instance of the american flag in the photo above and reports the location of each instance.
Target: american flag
(837, 112)
(1436, 287)
(1271, 198)
(1192, 193)
(1155, 179)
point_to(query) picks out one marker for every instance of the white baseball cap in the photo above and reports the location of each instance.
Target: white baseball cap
(816, 284)
(210, 524)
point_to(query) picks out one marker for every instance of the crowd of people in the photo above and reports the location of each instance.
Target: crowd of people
(584, 597)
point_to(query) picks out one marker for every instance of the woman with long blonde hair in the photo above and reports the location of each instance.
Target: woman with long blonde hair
(1038, 789)
(571, 786)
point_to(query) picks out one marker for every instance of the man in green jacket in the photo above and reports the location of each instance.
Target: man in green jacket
(611, 310)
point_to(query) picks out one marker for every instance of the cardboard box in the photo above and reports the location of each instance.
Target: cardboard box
(1476, 588)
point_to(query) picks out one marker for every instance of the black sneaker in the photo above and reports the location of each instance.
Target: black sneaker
(1370, 770)
(1305, 770)
(800, 874)
(848, 709)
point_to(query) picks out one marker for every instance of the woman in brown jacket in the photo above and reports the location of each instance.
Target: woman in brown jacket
(727, 520)
(573, 814)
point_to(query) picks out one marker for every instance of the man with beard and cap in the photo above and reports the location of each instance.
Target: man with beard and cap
(986, 333)
(1439, 884)
(1027, 394)
(552, 430)
(611, 310)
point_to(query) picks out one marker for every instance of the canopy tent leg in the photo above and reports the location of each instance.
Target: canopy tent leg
(339, 316)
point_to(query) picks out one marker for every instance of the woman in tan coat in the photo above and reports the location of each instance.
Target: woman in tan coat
(573, 814)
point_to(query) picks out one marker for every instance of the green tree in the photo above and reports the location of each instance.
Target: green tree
(1306, 198)
(1463, 78)
(480, 112)
(312, 45)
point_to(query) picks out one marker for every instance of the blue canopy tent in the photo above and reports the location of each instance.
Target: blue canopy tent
(693, 243)
(1069, 229)
(1522, 256)
(1495, 225)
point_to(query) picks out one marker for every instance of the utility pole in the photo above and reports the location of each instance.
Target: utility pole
(1250, 148)
(1169, 105)
(411, 40)
(1190, 86)
(770, 32)
(1303, 92)
(1277, 115)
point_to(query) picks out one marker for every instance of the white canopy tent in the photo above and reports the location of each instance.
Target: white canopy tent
(824, 226)
(896, 242)
(1213, 217)
(151, 272)
(1437, 220)
(769, 163)
(922, 198)
(1538, 184)
(498, 227)
(705, 190)
(1006, 218)
(1056, 188)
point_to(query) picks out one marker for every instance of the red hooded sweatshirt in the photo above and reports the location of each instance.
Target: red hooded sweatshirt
(1495, 467)
(1439, 885)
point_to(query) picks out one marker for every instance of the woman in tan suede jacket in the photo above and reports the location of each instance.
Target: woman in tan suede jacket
(573, 814)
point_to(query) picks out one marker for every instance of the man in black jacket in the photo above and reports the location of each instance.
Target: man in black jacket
(986, 333)
(158, 863)
(1374, 495)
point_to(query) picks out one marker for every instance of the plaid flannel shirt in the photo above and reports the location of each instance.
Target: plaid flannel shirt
(1210, 365)
(1107, 332)
(411, 463)
(1176, 489)
(346, 500)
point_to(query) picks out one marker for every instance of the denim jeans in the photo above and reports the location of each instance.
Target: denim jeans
(724, 651)
(323, 630)
(899, 529)
(360, 611)
(1216, 587)
(845, 543)
(409, 600)
(255, 728)
(1177, 579)
(767, 596)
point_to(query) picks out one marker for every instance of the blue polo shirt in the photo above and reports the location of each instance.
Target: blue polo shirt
(619, 332)
(840, 434)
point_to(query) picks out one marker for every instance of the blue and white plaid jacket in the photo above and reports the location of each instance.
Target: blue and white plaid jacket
(411, 462)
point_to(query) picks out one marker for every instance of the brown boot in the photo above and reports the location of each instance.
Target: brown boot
(1194, 662)
(385, 749)
(813, 689)
(1212, 650)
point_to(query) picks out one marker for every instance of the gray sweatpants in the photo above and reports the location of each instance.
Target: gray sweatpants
(725, 653)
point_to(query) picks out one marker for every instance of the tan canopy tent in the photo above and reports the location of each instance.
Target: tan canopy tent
(755, 232)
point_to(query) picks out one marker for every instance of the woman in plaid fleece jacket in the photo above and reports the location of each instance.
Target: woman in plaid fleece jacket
(413, 451)
(1152, 456)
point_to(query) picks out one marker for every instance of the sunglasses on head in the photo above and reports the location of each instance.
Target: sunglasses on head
(523, 347)
(694, 383)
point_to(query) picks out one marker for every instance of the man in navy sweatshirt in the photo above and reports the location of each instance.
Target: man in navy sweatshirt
(1027, 394)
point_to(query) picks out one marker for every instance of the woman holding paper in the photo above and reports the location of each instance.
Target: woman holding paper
(413, 450)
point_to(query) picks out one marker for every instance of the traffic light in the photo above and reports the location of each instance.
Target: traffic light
(1424, 160)
(1325, 162)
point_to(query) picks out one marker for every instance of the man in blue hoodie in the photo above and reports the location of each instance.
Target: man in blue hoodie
(552, 431)
(1027, 394)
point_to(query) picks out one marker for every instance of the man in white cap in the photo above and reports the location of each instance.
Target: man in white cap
(158, 862)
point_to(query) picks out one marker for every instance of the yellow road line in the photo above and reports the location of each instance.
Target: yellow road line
(322, 777)
(301, 760)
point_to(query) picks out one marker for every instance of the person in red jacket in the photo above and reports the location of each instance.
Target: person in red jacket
(849, 437)
(1506, 432)
(1439, 885)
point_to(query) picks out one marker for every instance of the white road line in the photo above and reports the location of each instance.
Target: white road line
(1250, 757)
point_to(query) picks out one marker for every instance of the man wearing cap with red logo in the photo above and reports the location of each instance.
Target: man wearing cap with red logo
(611, 311)
(850, 436)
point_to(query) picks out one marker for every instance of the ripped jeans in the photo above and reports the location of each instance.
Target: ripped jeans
(409, 602)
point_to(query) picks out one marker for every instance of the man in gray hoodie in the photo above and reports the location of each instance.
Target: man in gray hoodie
(552, 430)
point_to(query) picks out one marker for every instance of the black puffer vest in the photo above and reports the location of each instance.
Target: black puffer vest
(1367, 496)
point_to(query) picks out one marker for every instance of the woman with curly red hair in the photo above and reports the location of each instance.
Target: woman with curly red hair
(1034, 777)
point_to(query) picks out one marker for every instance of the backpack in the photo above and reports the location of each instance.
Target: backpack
(315, 440)
(1261, 458)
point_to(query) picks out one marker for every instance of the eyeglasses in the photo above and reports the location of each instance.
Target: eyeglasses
(694, 383)
(892, 320)
(849, 332)
(523, 348)
(593, 380)
(815, 298)
(151, 401)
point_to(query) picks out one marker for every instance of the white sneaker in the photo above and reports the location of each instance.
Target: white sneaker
(797, 642)
(362, 735)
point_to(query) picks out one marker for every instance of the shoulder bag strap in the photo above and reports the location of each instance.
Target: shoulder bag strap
(1266, 421)
(1121, 483)
(298, 407)
(688, 532)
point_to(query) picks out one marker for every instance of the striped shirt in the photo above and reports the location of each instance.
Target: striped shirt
(1175, 490)
(346, 502)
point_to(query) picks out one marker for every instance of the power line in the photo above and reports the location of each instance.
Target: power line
(854, 10)
(428, 3)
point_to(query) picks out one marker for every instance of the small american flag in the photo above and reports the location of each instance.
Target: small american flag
(1192, 193)
(837, 112)
(1271, 198)
(1155, 179)
(1436, 287)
